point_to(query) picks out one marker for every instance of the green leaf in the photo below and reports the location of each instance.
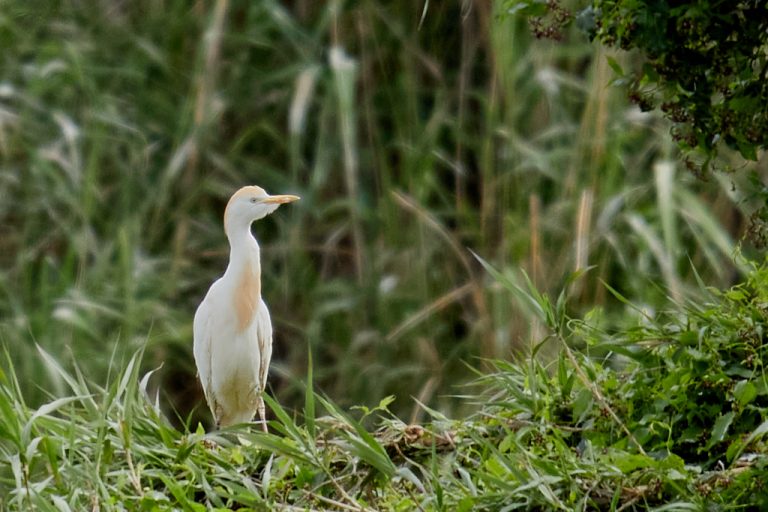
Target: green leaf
(564, 377)
(282, 416)
(534, 302)
(758, 432)
(736, 448)
(720, 429)
(528, 8)
(672, 461)
(236, 455)
(744, 392)
(466, 504)
(46, 410)
(363, 445)
(688, 338)
(649, 73)
(309, 399)
(747, 149)
(507, 443)
(615, 66)
(629, 462)
(582, 403)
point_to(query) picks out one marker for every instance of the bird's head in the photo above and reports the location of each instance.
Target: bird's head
(252, 203)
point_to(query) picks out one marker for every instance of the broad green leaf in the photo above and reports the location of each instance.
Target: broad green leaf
(629, 462)
(744, 392)
(720, 428)
(615, 66)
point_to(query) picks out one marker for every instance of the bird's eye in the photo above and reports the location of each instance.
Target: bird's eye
(254, 199)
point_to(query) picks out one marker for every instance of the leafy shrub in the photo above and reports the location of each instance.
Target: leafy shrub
(698, 388)
(704, 62)
(690, 382)
(705, 67)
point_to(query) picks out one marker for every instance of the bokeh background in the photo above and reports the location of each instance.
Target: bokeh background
(413, 131)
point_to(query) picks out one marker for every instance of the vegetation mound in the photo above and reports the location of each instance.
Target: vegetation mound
(668, 413)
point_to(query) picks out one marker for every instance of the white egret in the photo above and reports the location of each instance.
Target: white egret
(232, 329)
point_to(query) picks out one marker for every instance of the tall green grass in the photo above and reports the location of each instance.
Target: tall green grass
(413, 132)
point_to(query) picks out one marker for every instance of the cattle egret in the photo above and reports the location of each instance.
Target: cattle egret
(232, 329)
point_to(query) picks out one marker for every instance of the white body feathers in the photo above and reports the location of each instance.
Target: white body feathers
(232, 359)
(232, 328)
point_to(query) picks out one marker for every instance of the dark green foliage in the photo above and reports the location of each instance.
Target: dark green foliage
(706, 65)
(701, 386)
(668, 403)
(704, 62)
(690, 383)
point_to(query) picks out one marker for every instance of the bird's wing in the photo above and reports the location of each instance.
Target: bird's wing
(202, 333)
(264, 339)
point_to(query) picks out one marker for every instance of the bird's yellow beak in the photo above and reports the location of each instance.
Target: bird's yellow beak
(280, 199)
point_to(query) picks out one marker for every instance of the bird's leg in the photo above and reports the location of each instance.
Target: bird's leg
(262, 415)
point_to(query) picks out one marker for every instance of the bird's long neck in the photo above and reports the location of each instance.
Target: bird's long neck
(244, 271)
(244, 251)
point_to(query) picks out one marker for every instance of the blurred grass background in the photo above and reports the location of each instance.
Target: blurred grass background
(413, 131)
